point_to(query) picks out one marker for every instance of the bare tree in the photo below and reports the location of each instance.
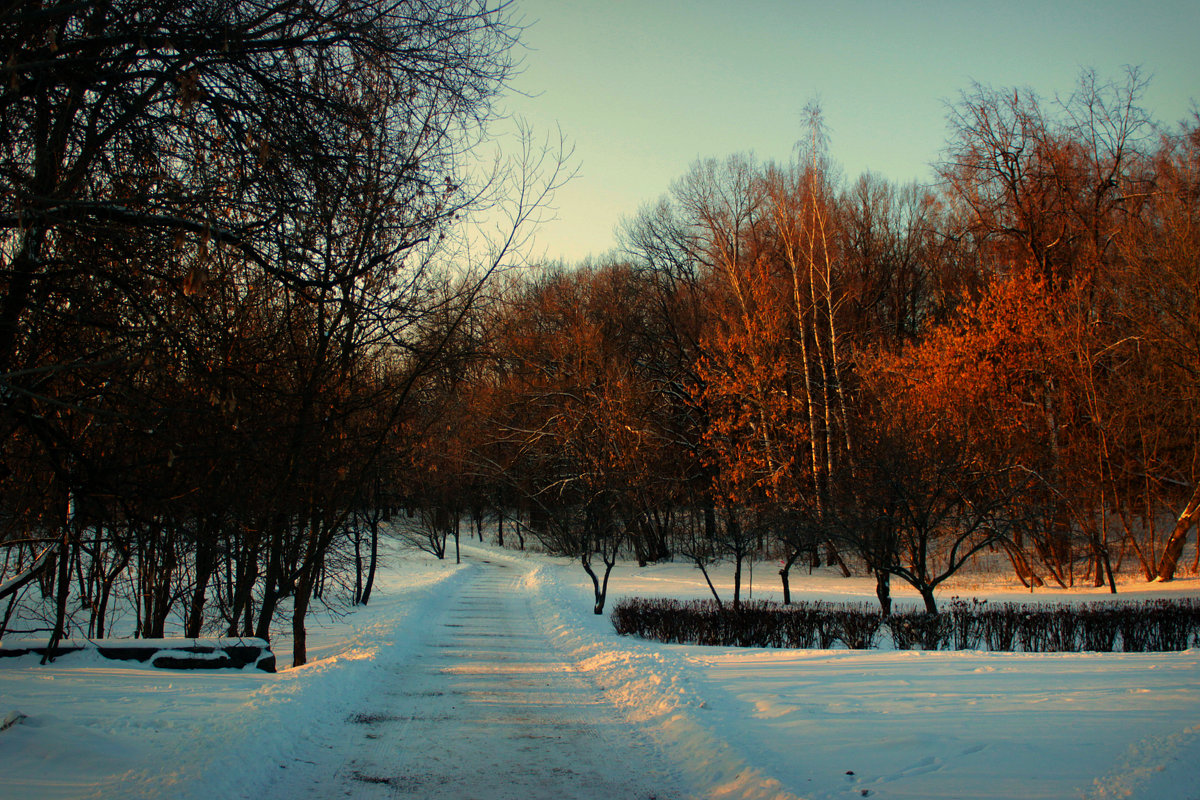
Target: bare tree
(302, 167)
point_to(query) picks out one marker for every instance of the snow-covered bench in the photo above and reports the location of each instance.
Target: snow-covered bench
(217, 653)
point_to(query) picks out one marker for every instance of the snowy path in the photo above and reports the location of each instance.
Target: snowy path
(486, 708)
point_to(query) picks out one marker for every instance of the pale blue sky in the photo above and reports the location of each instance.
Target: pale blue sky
(643, 89)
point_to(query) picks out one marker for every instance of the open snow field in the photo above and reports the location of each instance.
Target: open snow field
(417, 696)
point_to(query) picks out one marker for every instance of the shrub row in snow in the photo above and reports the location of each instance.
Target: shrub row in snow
(1149, 626)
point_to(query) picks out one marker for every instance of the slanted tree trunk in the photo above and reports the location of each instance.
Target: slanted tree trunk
(44, 561)
(834, 557)
(1174, 546)
(704, 571)
(1021, 568)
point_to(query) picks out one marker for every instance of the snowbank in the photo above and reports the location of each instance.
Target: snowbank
(181, 653)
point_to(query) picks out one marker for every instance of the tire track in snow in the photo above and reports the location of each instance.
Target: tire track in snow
(487, 708)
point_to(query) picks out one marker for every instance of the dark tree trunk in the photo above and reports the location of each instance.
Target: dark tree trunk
(271, 582)
(927, 596)
(266, 611)
(599, 583)
(374, 559)
(785, 575)
(358, 565)
(206, 565)
(63, 588)
(156, 621)
(243, 588)
(737, 581)
(299, 631)
(883, 591)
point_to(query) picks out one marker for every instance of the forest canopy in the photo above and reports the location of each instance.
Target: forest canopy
(240, 330)
(896, 378)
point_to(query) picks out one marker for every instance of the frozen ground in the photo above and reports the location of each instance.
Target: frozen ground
(417, 696)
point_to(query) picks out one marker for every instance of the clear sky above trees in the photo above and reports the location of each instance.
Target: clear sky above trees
(642, 89)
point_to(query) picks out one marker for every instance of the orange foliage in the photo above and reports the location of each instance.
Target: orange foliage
(987, 373)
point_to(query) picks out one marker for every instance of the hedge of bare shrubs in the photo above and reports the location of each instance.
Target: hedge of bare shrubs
(1130, 627)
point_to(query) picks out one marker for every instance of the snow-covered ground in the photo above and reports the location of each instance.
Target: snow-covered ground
(104, 729)
(728, 722)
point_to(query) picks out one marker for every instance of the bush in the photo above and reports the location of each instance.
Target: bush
(754, 624)
(912, 629)
(1154, 625)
